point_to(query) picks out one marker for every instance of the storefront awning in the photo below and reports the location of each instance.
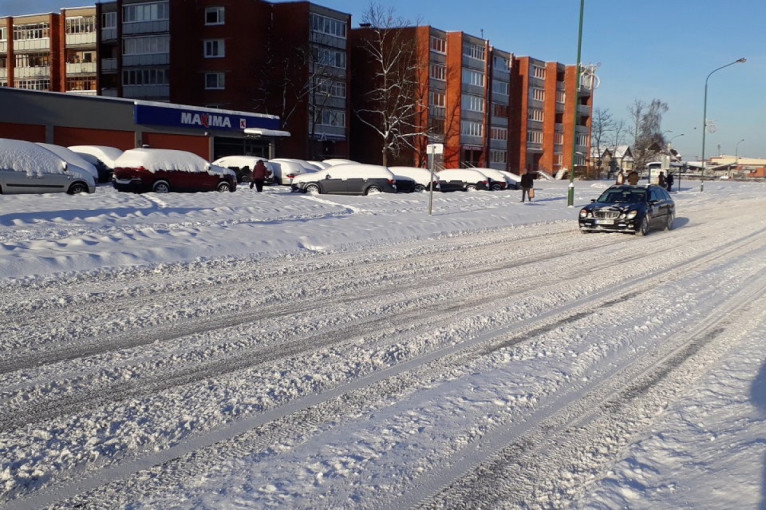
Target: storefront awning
(265, 132)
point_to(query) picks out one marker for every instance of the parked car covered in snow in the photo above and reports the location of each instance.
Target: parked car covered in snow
(243, 166)
(285, 170)
(348, 179)
(73, 159)
(421, 176)
(165, 170)
(459, 179)
(26, 167)
(338, 161)
(100, 156)
(513, 181)
(496, 181)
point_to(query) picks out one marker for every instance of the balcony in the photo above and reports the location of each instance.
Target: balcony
(32, 72)
(81, 68)
(83, 39)
(583, 109)
(3, 73)
(32, 44)
(108, 65)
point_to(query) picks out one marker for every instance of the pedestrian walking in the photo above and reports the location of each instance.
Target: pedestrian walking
(633, 178)
(620, 177)
(661, 181)
(260, 173)
(527, 186)
(669, 181)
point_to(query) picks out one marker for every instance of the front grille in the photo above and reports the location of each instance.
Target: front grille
(606, 215)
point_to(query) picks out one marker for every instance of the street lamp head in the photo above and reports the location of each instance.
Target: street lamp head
(741, 60)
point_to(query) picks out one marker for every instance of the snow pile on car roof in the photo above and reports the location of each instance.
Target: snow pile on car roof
(154, 160)
(71, 157)
(29, 157)
(108, 155)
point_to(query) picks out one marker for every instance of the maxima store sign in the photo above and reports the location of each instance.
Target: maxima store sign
(201, 118)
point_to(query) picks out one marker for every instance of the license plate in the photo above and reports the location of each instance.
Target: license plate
(604, 222)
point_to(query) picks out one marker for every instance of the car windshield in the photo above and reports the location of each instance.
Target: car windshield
(622, 196)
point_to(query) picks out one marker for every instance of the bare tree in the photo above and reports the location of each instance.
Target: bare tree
(393, 107)
(619, 130)
(647, 131)
(601, 126)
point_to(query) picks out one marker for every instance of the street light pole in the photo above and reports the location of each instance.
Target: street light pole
(670, 146)
(736, 155)
(704, 115)
(570, 194)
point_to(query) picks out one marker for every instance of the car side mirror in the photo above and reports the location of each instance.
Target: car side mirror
(64, 166)
(592, 200)
(328, 176)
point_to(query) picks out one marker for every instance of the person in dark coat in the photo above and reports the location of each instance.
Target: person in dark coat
(527, 183)
(661, 180)
(669, 181)
(260, 173)
(633, 178)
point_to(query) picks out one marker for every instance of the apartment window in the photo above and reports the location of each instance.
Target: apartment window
(538, 72)
(214, 16)
(558, 159)
(561, 96)
(500, 110)
(85, 83)
(498, 156)
(581, 139)
(537, 94)
(329, 57)
(146, 45)
(437, 72)
(3, 34)
(330, 117)
(498, 133)
(470, 128)
(328, 26)
(436, 98)
(535, 114)
(534, 136)
(558, 138)
(471, 77)
(500, 87)
(145, 77)
(214, 81)
(3, 61)
(154, 11)
(109, 20)
(331, 88)
(32, 31)
(33, 84)
(214, 48)
(501, 63)
(473, 103)
(474, 51)
(81, 25)
(439, 45)
(32, 60)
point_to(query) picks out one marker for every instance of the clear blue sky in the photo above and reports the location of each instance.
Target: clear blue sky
(651, 49)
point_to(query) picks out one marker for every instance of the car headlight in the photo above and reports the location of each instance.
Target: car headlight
(583, 213)
(631, 214)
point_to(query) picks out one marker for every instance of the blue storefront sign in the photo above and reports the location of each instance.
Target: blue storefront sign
(203, 119)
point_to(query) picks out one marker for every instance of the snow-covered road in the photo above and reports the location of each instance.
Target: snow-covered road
(457, 361)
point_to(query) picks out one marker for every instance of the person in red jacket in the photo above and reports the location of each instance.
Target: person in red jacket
(260, 173)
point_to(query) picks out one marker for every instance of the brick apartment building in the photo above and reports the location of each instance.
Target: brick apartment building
(295, 60)
(55, 51)
(487, 107)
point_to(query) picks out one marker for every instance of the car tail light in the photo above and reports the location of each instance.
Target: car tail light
(484, 183)
(290, 176)
(391, 181)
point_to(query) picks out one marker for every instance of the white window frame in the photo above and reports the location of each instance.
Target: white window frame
(150, 11)
(535, 114)
(219, 13)
(473, 50)
(438, 45)
(538, 72)
(473, 103)
(150, 45)
(471, 128)
(327, 26)
(218, 78)
(108, 20)
(497, 156)
(473, 77)
(437, 72)
(214, 48)
(498, 133)
(535, 136)
(501, 87)
(561, 96)
(537, 93)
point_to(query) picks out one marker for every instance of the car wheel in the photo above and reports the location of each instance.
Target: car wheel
(420, 187)
(223, 186)
(671, 219)
(77, 187)
(470, 187)
(496, 187)
(161, 187)
(313, 189)
(372, 190)
(643, 229)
